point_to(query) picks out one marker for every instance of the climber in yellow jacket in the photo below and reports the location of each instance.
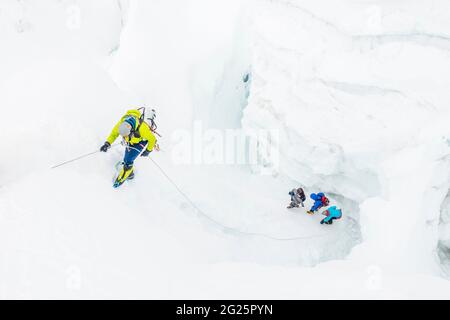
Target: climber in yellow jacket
(137, 135)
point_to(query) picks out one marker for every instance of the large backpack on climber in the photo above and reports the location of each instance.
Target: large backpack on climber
(148, 116)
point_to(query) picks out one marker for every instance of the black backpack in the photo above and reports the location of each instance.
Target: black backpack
(301, 193)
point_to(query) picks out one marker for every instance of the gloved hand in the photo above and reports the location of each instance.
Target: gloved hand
(105, 146)
(145, 153)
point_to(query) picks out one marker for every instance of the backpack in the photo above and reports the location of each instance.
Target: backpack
(301, 193)
(325, 201)
(149, 121)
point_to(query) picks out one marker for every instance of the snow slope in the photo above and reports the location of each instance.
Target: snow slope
(336, 86)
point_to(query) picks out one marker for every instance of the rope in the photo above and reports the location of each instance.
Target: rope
(79, 158)
(227, 229)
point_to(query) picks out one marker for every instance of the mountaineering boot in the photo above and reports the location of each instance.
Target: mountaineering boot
(292, 205)
(126, 171)
(310, 212)
(131, 176)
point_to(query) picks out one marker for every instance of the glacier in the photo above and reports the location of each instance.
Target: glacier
(357, 93)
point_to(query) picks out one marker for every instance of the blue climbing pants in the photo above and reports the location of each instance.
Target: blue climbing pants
(132, 152)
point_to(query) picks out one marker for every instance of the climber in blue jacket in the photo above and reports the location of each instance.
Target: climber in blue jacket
(320, 200)
(331, 214)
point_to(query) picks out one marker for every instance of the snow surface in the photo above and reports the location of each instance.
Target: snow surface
(358, 94)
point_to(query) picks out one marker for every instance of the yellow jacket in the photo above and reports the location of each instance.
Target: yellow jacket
(145, 134)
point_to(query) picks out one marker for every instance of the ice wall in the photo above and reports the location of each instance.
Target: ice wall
(442, 190)
(444, 241)
(336, 93)
(51, 61)
(352, 91)
(73, 29)
(178, 57)
(355, 121)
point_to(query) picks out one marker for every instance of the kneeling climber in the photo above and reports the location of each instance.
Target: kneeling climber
(331, 214)
(320, 201)
(297, 197)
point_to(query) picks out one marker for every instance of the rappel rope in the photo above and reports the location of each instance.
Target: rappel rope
(224, 228)
(80, 157)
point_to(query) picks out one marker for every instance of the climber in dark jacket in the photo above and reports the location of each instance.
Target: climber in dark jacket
(297, 197)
